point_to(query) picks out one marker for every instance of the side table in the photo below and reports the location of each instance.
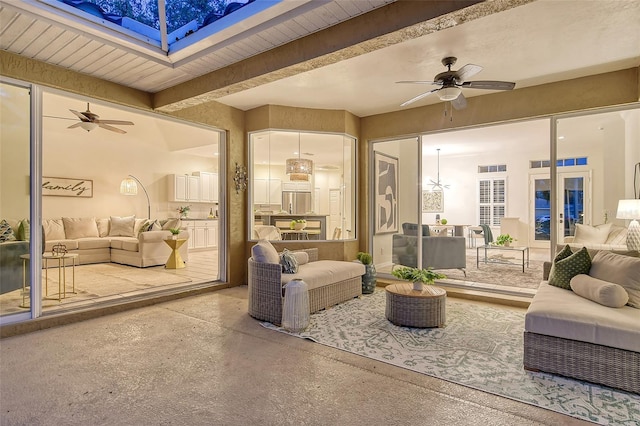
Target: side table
(416, 308)
(62, 274)
(175, 260)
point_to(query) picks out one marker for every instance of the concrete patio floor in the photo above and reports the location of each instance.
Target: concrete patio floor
(203, 360)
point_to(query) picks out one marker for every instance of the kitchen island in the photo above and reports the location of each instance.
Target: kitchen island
(316, 224)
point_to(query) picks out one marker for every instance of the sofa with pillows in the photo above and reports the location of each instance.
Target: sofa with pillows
(125, 240)
(329, 281)
(600, 237)
(14, 242)
(584, 321)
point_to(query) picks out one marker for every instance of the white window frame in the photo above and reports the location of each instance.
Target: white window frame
(494, 218)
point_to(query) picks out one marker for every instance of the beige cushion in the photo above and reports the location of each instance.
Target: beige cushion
(619, 269)
(302, 257)
(103, 226)
(265, 252)
(602, 292)
(586, 234)
(171, 224)
(80, 227)
(323, 272)
(122, 226)
(560, 313)
(137, 227)
(93, 243)
(53, 229)
(617, 236)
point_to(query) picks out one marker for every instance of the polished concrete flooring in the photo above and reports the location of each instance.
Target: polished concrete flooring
(203, 361)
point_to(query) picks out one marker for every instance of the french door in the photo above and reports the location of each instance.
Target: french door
(573, 198)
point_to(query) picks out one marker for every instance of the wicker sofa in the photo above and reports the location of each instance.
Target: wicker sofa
(573, 336)
(329, 281)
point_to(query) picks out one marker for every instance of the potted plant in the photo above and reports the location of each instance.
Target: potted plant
(369, 277)
(504, 240)
(174, 233)
(183, 211)
(417, 276)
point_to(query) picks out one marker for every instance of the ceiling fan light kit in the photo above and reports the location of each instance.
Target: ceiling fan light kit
(89, 121)
(452, 82)
(88, 126)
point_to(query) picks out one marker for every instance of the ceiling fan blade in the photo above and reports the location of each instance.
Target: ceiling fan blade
(59, 118)
(467, 72)
(121, 122)
(73, 126)
(460, 102)
(80, 115)
(113, 129)
(489, 85)
(417, 98)
(417, 82)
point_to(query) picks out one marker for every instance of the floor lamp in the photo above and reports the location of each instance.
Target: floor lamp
(128, 186)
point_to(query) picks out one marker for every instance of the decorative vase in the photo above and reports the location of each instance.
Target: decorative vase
(507, 244)
(300, 226)
(417, 285)
(369, 279)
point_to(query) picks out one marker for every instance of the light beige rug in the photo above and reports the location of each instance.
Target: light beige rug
(97, 281)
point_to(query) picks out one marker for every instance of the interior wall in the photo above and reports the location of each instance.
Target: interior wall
(14, 152)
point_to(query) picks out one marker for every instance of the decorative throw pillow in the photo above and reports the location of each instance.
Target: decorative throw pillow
(171, 224)
(80, 227)
(302, 257)
(103, 226)
(24, 230)
(564, 269)
(288, 262)
(155, 226)
(122, 226)
(265, 252)
(619, 269)
(6, 233)
(599, 291)
(586, 234)
(563, 254)
(53, 229)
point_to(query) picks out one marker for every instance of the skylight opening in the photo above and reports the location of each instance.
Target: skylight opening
(144, 17)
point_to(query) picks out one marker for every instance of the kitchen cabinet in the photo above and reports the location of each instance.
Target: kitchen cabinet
(203, 234)
(208, 187)
(296, 186)
(267, 191)
(184, 188)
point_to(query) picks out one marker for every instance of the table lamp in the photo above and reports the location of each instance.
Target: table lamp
(630, 209)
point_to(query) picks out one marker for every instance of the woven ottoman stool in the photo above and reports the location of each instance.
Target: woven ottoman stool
(416, 308)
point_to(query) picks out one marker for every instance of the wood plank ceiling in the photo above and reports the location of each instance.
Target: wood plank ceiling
(30, 28)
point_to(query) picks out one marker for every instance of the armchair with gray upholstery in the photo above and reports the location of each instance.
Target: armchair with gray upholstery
(437, 252)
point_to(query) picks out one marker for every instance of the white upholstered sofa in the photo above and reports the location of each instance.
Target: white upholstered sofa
(125, 240)
(329, 281)
(588, 332)
(607, 236)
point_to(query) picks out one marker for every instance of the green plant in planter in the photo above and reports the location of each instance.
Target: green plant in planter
(364, 258)
(369, 278)
(174, 231)
(504, 240)
(424, 276)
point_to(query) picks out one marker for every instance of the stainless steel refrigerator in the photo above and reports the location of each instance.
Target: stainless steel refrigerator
(296, 202)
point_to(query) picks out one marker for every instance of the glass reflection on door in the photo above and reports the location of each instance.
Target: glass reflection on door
(572, 203)
(542, 209)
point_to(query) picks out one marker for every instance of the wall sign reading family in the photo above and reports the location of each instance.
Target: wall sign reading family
(67, 187)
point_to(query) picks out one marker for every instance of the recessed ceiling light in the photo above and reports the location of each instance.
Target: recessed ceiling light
(560, 137)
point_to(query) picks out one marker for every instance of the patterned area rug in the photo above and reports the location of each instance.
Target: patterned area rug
(499, 274)
(480, 348)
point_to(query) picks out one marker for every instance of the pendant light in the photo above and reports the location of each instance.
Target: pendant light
(299, 169)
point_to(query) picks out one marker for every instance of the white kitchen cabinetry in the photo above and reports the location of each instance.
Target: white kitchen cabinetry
(208, 186)
(202, 233)
(267, 191)
(184, 188)
(296, 186)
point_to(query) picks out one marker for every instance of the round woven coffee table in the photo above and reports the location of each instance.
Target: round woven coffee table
(413, 308)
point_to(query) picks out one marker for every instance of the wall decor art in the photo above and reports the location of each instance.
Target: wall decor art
(432, 201)
(386, 193)
(67, 187)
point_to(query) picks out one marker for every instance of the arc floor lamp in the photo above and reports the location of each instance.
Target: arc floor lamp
(129, 186)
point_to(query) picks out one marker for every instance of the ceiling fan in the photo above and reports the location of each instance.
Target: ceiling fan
(89, 121)
(451, 83)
